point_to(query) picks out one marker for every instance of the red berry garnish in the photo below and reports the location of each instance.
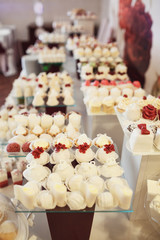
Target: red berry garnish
(125, 96)
(40, 85)
(108, 148)
(144, 97)
(37, 152)
(60, 146)
(83, 148)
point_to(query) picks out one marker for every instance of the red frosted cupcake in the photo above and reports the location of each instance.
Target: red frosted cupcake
(26, 147)
(13, 147)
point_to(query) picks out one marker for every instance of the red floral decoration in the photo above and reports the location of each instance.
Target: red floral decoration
(83, 148)
(60, 146)
(37, 152)
(108, 148)
(40, 85)
(67, 85)
(149, 112)
(138, 37)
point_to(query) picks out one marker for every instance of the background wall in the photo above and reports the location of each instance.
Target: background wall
(20, 12)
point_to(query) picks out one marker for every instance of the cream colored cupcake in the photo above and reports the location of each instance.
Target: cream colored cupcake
(95, 105)
(108, 105)
(37, 130)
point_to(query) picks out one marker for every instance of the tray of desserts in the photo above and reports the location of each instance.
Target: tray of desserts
(74, 176)
(44, 90)
(33, 130)
(8, 113)
(101, 96)
(152, 201)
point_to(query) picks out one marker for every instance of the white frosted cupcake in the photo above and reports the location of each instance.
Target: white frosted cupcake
(61, 154)
(64, 169)
(128, 92)
(39, 156)
(75, 119)
(86, 169)
(52, 179)
(98, 182)
(82, 139)
(105, 200)
(111, 169)
(101, 140)
(62, 140)
(133, 112)
(37, 130)
(54, 130)
(106, 153)
(33, 120)
(45, 200)
(75, 200)
(59, 119)
(74, 183)
(46, 121)
(83, 154)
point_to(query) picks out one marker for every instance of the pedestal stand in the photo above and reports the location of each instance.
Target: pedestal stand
(70, 225)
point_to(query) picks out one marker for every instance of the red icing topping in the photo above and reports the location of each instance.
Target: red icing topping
(40, 85)
(144, 98)
(28, 79)
(83, 148)
(142, 125)
(60, 146)
(137, 84)
(144, 131)
(125, 96)
(99, 73)
(149, 112)
(67, 85)
(113, 83)
(37, 152)
(87, 83)
(96, 83)
(104, 82)
(87, 73)
(36, 79)
(108, 148)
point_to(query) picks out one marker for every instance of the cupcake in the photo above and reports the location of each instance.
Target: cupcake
(74, 118)
(101, 140)
(38, 100)
(74, 183)
(54, 130)
(106, 201)
(61, 153)
(52, 179)
(128, 92)
(13, 147)
(75, 200)
(33, 120)
(61, 139)
(133, 112)
(86, 169)
(95, 105)
(115, 93)
(45, 200)
(122, 105)
(25, 147)
(111, 169)
(139, 93)
(84, 153)
(64, 169)
(20, 130)
(39, 156)
(59, 119)
(82, 139)
(106, 153)
(37, 130)
(108, 105)
(42, 143)
(46, 121)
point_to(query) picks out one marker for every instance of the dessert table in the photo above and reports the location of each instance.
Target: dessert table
(138, 168)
